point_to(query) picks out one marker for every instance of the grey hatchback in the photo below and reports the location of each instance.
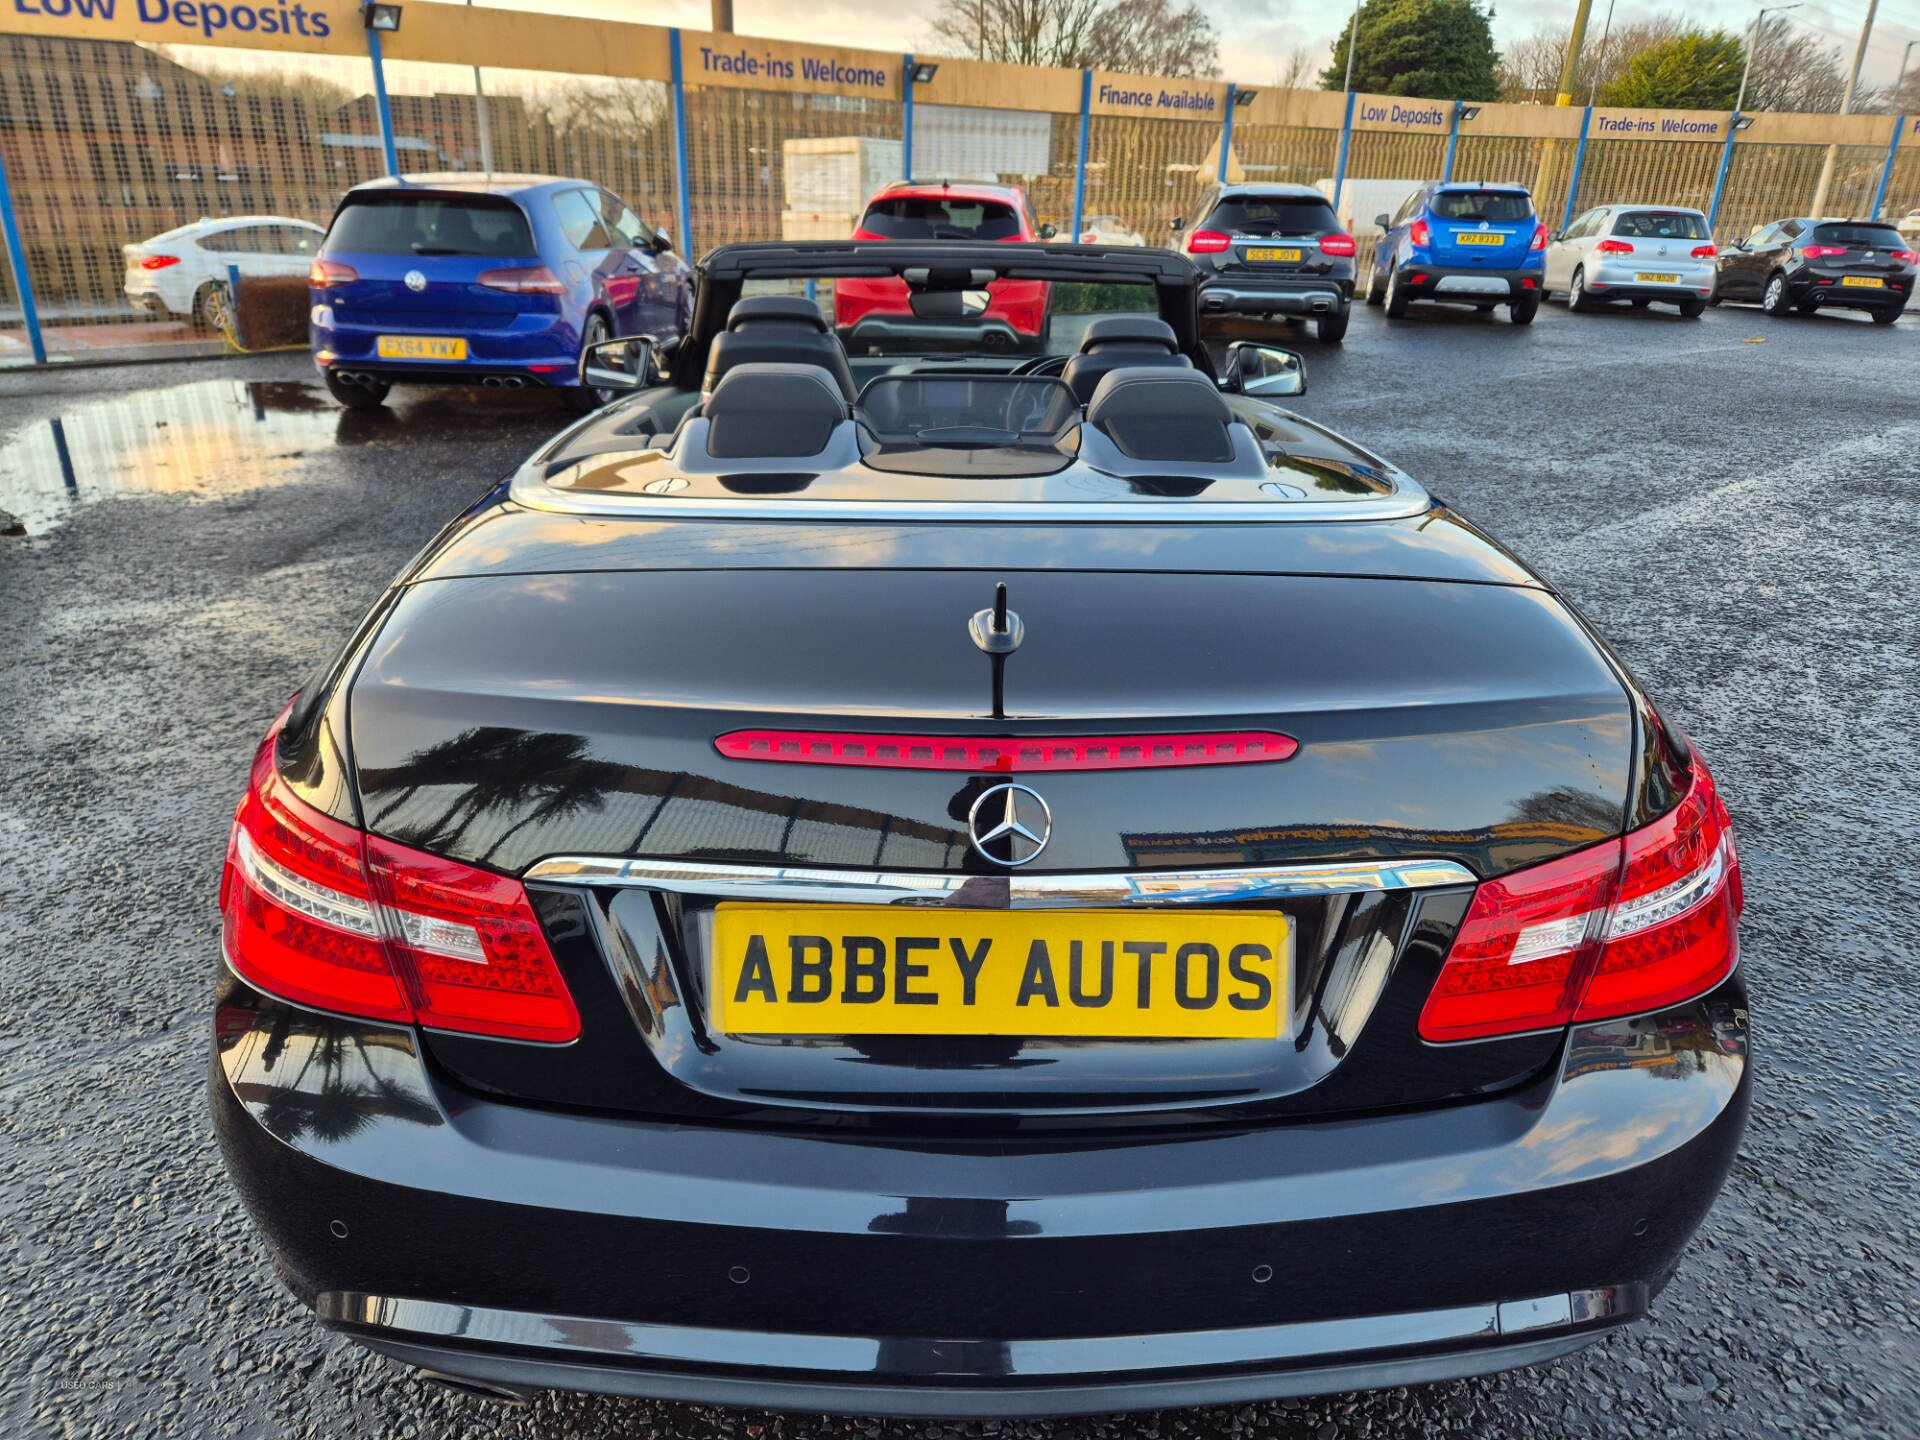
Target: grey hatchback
(1641, 253)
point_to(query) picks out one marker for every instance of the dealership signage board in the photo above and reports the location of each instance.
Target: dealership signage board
(320, 27)
(1145, 97)
(1398, 113)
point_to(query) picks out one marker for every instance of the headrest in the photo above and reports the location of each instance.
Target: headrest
(783, 309)
(1154, 414)
(1124, 329)
(773, 409)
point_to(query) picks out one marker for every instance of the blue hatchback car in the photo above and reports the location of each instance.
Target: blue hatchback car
(1467, 244)
(496, 280)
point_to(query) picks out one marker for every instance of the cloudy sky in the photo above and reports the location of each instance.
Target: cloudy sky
(1258, 35)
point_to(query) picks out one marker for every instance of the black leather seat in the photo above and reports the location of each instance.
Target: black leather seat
(1163, 415)
(777, 329)
(1117, 342)
(773, 410)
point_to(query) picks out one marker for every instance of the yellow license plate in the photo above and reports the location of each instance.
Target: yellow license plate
(1282, 255)
(421, 347)
(1865, 282)
(888, 970)
(1474, 237)
(1657, 279)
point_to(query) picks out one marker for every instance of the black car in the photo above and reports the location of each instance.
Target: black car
(968, 884)
(1807, 265)
(1272, 250)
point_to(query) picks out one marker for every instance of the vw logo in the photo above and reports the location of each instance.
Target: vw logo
(416, 282)
(1010, 824)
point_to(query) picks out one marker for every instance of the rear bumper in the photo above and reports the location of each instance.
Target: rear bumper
(540, 346)
(942, 1275)
(1245, 295)
(1468, 284)
(1806, 288)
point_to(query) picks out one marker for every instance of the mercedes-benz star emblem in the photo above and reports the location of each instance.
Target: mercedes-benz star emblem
(416, 282)
(1010, 824)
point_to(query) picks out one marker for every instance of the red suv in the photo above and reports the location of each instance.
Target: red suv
(916, 210)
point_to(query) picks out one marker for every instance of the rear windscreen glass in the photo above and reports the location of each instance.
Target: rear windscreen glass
(1859, 237)
(431, 225)
(1662, 225)
(918, 217)
(1500, 206)
(1254, 215)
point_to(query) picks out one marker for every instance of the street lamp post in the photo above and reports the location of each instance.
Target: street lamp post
(1846, 108)
(1753, 39)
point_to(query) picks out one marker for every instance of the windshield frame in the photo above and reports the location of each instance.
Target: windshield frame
(723, 273)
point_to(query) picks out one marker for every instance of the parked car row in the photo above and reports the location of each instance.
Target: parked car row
(1279, 250)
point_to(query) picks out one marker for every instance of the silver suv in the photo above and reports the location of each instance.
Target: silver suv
(1641, 253)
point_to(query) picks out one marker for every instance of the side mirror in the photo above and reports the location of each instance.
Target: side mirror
(626, 365)
(1385, 222)
(1047, 232)
(1177, 224)
(661, 241)
(1265, 370)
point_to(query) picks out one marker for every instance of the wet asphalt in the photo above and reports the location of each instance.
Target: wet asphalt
(1735, 502)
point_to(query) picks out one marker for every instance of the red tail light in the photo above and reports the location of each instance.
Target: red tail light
(1705, 252)
(318, 913)
(1207, 242)
(1613, 247)
(1905, 257)
(522, 280)
(1006, 756)
(1540, 238)
(1419, 234)
(159, 262)
(1336, 244)
(324, 274)
(1820, 252)
(1618, 929)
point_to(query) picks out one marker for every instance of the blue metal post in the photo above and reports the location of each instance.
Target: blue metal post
(685, 195)
(233, 305)
(1453, 140)
(1226, 135)
(1080, 154)
(1340, 163)
(1886, 170)
(1579, 159)
(17, 257)
(1720, 180)
(906, 119)
(380, 99)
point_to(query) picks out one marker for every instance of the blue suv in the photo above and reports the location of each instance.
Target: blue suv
(498, 280)
(1480, 245)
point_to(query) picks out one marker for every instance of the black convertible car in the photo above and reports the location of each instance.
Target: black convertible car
(895, 872)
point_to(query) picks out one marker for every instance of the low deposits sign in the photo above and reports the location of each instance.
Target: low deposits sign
(273, 24)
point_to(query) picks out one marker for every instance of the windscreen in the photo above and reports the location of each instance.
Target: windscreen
(1662, 225)
(1859, 237)
(997, 318)
(1500, 206)
(967, 410)
(1259, 215)
(927, 217)
(402, 224)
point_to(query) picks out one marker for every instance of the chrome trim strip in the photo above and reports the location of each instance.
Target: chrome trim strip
(999, 892)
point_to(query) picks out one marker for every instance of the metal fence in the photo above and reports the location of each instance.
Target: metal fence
(115, 129)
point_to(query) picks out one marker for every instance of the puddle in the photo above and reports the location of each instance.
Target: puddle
(220, 437)
(213, 437)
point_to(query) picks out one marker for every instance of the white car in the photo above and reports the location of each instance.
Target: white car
(184, 271)
(1639, 253)
(1909, 227)
(1108, 230)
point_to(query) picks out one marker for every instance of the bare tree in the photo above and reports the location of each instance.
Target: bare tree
(1795, 70)
(1151, 37)
(1529, 69)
